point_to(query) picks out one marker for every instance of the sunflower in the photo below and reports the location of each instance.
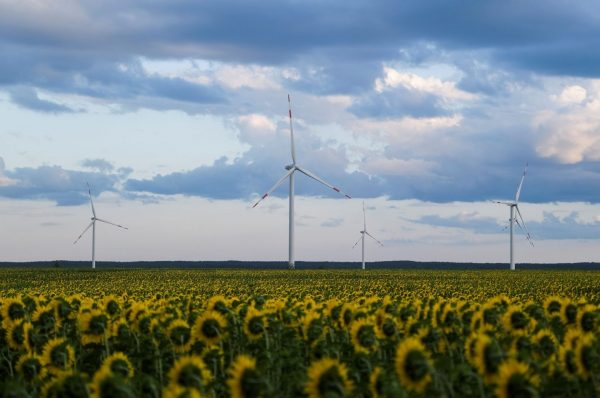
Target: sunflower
(18, 335)
(514, 380)
(327, 377)
(108, 384)
(347, 314)
(218, 303)
(568, 361)
(387, 328)
(568, 312)
(30, 366)
(58, 355)
(111, 305)
(588, 318)
(254, 323)
(553, 305)
(119, 364)
(376, 383)
(413, 365)
(312, 327)
(190, 372)
(179, 333)
(546, 345)
(469, 348)
(515, 319)
(13, 309)
(588, 360)
(244, 381)
(93, 326)
(363, 335)
(45, 318)
(66, 384)
(210, 327)
(488, 356)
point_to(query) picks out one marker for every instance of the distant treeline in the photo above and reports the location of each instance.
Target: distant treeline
(300, 265)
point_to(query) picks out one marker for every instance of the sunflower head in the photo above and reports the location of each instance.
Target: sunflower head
(44, 318)
(515, 380)
(67, 384)
(118, 364)
(30, 367)
(568, 312)
(377, 383)
(190, 372)
(210, 327)
(387, 328)
(18, 335)
(363, 335)
(218, 303)
(93, 325)
(312, 327)
(587, 356)
(58, 355)
(413, 365)
(546, 345)
(180, 335)
(515, 319)
(107, 384)
(327, 377)
(111, 305)
(244, 380)
(254, 323)
(552, 306)
(588, 318)
(488, 356)
(13, 309)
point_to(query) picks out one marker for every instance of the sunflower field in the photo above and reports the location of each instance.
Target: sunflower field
(246, 333)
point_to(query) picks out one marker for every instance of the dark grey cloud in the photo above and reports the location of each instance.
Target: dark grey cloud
(27, 97)
(64, 187)
(551, 226)
(338, 47)
(98, 164)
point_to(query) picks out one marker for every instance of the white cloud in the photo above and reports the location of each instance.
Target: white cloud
(445, 89)
(255, 127)
(572, 95)
(571, 133)
(255, 77)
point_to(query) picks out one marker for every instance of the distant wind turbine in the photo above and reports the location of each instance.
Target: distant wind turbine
(514, 212)
(92, 224)
(362, 237)
(291, 169)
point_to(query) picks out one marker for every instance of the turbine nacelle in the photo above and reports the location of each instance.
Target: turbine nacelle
(290, 166)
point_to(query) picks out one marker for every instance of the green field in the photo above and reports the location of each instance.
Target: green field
(244, 333)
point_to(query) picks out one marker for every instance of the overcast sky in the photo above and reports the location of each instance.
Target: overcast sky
(175, 112)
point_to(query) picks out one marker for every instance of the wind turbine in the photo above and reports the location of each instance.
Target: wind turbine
(92, 224)
(514, 212)
(362, 237)
(291, 169)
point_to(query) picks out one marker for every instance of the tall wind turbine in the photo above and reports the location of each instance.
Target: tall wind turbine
(362, 237)
(514, 212)
(291, 169)
(92, 224)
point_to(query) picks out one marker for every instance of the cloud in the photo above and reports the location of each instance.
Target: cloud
(4, 180)
(64, 187)
(466, 220)
(571, 133)
(28, 98)
(98, 164)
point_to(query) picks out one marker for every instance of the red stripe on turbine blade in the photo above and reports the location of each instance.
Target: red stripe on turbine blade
(265, 195)
(348, 196)
(335, 189)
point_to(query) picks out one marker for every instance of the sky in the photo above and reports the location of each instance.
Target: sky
(176, 114)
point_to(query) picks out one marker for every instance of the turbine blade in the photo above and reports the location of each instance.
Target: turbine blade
(291, 130)
(84, 231)
(314, 177)
(111, 223)
(522, 226)
(372, 237)
(278, 183)
(364, 217)
(91, 201)
(521, 183)
(503, 203)
(361, 237)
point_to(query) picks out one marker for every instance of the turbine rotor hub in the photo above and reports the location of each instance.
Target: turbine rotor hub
(290, 166)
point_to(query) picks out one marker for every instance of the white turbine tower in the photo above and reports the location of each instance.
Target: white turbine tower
(515, 215)
(362, 237)
(291, 169)
(92, 224)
